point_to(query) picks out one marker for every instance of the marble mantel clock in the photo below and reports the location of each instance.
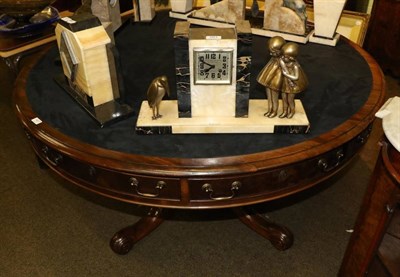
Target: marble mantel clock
(212, 58)
(213, 70)
(90, 68)
(212, 74)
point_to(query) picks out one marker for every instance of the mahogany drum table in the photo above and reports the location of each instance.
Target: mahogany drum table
(200, 171)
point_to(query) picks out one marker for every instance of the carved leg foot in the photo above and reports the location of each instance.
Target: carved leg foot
(279, 236)
(123, 241)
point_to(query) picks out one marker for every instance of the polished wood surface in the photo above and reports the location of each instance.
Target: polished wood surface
(383, 36)
(201, 183)
(288, 170)
(374, 246)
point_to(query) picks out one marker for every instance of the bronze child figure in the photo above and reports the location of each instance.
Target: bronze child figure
(271, 75)
(294, 78)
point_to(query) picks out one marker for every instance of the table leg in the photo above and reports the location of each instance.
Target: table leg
(123, 241)
(279, 236)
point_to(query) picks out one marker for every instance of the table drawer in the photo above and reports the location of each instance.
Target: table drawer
(99, 179)
(220, 189)
(140, 186)
(268, 184)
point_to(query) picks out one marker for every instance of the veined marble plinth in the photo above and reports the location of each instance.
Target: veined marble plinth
(256, 122)
(178, 15)
(182, 70)
(326, 41)
(289, 37)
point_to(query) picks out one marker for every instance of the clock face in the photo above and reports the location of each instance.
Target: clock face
(213, 66)
(68, 56)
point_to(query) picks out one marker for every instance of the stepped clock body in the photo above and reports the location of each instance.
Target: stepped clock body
(213, 70)
(212, 59)
(89, 67)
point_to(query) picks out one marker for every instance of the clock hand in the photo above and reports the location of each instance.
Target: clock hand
(208, 69)
(202, 60)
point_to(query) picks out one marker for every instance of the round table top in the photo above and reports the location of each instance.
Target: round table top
(346, 89)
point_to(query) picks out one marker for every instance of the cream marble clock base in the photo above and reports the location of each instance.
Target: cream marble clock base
(256, 122)
(325, 41)
(289, 37)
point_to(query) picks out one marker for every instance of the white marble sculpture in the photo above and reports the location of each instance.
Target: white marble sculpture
(229, 11)
(278, 17)
(326, 17)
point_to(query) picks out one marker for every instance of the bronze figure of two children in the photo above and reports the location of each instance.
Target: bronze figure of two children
(282, 75)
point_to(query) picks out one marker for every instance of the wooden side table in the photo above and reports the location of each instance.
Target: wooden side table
(198, 171)
(13, 49)
(374, 248)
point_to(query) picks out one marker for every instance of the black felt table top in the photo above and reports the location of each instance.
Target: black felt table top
(340, 82)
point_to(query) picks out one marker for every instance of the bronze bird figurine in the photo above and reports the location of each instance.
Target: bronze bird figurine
(155, 93)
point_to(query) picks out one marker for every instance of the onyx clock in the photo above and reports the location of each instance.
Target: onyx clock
(90, 73)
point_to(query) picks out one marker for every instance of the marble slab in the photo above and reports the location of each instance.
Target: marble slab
(178, 15)
(288, 37)
(182, 69)
(243, 67)
(228, 11)
(325, 41)
(256, 122)
(390, 114)
(217, 23)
